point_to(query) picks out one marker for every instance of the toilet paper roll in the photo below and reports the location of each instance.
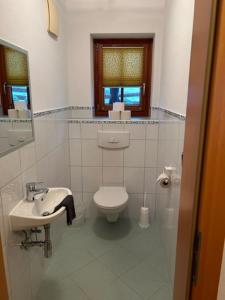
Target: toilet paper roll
(12, 113)
(20, 105)
(125, 115)
(114, 115)
(118, 106)
(23, 114)
(164, 180)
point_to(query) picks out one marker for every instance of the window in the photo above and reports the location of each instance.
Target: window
(14, 81)
(122, 73)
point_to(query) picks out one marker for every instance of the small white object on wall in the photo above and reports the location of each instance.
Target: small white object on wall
(53, 18)
(118, 106)
(125, 115)
(12, 113)
(114, 115)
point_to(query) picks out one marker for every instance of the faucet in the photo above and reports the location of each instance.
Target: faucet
(35, 188)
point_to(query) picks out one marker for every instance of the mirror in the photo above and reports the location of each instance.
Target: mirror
(16, 127)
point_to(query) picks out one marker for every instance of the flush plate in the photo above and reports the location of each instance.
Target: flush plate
(113, 139)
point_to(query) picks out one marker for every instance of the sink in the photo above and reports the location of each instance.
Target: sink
(28, 214)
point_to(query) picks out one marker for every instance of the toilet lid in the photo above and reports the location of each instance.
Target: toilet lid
(110, 197)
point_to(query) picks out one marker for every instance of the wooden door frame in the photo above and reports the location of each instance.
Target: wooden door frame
(211, 222)
(3, 282)
(198, 94)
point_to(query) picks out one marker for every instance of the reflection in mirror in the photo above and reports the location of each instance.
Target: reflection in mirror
(15, 101)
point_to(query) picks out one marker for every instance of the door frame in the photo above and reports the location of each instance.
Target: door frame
(198, 95)
(3, 282)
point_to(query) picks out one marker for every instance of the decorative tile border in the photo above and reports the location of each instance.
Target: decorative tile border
(104, 121)
(7, 120)
(51, 111)
(91, 108)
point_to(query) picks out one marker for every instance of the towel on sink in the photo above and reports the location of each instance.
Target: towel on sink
(68, 203)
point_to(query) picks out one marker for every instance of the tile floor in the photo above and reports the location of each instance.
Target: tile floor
(102, 261)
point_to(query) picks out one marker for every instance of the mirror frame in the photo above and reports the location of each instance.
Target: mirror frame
(18, 48)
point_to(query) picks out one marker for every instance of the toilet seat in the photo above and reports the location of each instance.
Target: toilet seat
(109, 197)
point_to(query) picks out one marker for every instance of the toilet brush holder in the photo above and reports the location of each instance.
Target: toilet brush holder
(144, 217)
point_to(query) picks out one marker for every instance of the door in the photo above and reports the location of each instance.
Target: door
(211, 215)
(200, 72)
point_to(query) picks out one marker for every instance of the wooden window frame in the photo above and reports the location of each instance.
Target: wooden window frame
(6, 99)
(101, 109)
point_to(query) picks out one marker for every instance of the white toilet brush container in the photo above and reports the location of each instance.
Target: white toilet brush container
(144, 215)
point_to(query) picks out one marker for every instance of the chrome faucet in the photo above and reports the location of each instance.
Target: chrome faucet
(35, 188)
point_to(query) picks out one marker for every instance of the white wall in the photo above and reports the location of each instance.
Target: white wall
(24, 23)
(176, 54)
(80, 28)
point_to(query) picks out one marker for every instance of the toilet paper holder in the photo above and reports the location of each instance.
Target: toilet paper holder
(165, 179)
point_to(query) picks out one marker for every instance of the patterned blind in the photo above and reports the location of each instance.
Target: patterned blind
(123, 66)
(16, 67)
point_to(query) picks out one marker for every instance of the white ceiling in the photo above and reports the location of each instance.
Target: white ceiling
(87, 5)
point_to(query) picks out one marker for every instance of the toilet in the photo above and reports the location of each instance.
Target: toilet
(111, 201)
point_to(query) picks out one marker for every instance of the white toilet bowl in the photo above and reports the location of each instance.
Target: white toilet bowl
(111, 201)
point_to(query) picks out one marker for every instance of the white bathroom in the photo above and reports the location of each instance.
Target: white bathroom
(103, 125)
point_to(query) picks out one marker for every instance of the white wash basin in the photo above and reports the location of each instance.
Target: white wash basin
(28, 214)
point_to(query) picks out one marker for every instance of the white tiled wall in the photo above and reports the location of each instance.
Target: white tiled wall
(170, 148)
(135, 167)
(68, 155)
(46, 159)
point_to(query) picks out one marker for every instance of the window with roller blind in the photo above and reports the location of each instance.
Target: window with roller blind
(122, 73)
(14, 81)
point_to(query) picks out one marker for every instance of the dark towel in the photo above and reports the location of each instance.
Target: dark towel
(70, 210)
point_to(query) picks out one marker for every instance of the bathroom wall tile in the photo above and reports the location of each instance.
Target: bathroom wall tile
(10, 167)
(75, 152)
(137, 132)
(167, 153)
(113, 157)
(79, 204)
(27, 156)
(152, 131)
(134, 180)
(90, 207)
(151, 151)
(135, 201)
(91, 153)
(37, 269)
(62, 132)
(18, 262)
(11, 194)
(151, 204)
(134, 155)
(51, 129)
(76, 179)
(4, 129)
(169, 131)
(92, 179)
(150, 180)
(113, 176)
(74, 131)
(57, 168)
(43, 170)
(116, 127)
(181, 126)
(89, 131)
(41, 137)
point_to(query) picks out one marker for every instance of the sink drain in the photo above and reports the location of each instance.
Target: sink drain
(45, 214)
